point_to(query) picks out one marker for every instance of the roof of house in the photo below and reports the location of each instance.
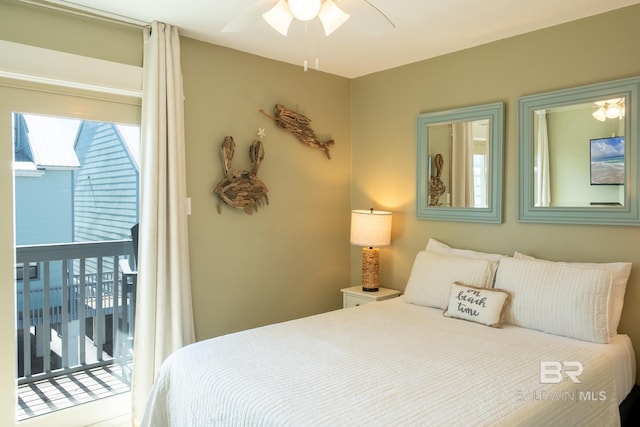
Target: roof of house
(51, 142)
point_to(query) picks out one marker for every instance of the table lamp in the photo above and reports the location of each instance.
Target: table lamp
(370, 228)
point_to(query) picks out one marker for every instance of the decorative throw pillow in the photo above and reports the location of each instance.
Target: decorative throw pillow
(557, 298)
(620, 272)
(480, 305)
(432, 275)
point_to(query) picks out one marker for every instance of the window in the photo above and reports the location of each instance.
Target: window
(479, 181)
(33, 271)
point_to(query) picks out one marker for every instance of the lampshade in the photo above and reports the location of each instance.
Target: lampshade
(331, 17)
(279, 17)
(600, 114)
(370, 228)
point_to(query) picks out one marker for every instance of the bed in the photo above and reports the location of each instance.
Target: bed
(402, 362)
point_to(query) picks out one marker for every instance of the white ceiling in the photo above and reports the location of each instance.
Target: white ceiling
(424, 28)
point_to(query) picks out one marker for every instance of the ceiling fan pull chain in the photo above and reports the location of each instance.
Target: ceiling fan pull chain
(306, 47)
(317, 44)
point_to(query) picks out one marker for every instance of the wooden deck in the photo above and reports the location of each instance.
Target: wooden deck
(78, 351)
(70, 389)
(62, 392)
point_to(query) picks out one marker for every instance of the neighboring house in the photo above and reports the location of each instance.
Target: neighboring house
(44, 161)
(43, 167)
(75, 181)
(107, 184)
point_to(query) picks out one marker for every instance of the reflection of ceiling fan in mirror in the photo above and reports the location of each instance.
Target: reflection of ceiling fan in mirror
(609, 109)
(331, 13)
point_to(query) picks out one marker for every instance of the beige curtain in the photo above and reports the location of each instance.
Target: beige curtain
(462, 165)
(542, 190)
(164, 319)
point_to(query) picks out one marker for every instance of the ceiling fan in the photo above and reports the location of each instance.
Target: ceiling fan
(331, 13)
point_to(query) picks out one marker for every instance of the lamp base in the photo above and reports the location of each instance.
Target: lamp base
(370, 269)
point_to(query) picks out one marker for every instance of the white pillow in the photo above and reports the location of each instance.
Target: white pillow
(480, 305)
(620, 272)
(432, 275)
(436, 246)
(557, 298)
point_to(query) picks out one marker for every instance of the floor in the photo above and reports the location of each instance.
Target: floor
(53, 394)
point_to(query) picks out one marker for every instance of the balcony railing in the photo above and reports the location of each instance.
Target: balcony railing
(73, 305)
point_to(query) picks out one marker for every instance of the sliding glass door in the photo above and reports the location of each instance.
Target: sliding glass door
(69, 175)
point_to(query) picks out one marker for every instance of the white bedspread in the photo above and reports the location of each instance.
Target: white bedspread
(382, 364)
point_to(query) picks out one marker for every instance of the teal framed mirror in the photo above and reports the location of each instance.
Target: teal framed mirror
(460, 163)
(579, 156)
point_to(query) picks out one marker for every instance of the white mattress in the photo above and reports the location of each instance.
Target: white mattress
(388, 363)
(620, 352)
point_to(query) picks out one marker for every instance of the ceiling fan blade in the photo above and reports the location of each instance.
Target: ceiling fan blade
(366, 17)
(248, 17)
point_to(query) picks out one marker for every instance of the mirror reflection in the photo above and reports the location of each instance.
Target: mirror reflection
(459, 176)
(579, 155)
(458, 164)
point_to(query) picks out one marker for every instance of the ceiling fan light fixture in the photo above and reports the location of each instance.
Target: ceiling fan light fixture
(609, 109)
(331, 16)
(304, 10)
(613, 112)
(279, 17)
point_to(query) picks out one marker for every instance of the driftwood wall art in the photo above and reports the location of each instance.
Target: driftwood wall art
(298, 125)
(436, 186)
(241, 189)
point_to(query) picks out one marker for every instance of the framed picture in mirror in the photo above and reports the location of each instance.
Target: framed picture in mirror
(607, 160)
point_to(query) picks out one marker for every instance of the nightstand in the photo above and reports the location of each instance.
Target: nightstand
(630, 408)
(355, 296)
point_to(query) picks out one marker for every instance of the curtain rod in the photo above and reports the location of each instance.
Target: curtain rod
(88, 12)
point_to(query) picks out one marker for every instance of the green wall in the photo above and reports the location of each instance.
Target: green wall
(46, 28)
(291, 258)
(569, 133)
(384, 110)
